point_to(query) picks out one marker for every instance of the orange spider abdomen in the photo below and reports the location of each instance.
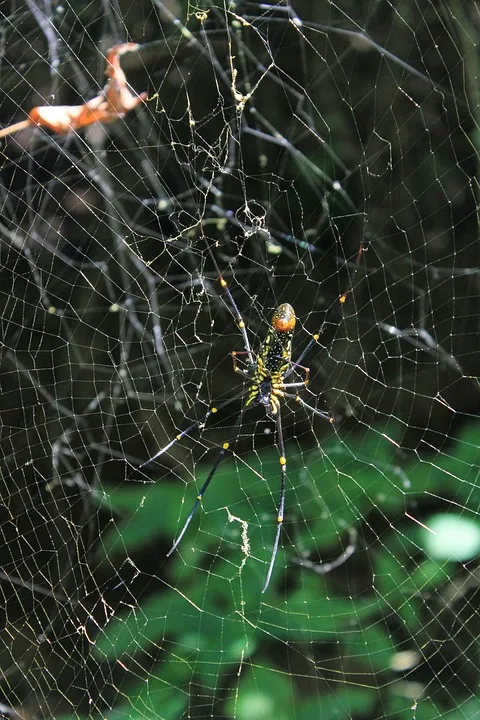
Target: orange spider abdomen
(284, 318)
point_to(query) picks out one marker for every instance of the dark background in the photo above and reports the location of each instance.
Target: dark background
(274, 143)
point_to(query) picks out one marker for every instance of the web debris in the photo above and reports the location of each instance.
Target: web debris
(114, 102)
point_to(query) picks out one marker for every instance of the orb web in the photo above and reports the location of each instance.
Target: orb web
(263, 143)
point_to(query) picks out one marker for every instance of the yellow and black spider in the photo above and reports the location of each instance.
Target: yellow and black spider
(266, 374)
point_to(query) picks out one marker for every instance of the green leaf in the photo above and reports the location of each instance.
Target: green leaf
(263, 693)
(451, 537)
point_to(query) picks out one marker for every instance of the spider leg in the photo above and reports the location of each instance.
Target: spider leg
(198, 424)
(240, 371)
(295, 366)
(281, 507)
(293, 385)
(321, 413)
(336, 307)
(234, 311)
(203, 490)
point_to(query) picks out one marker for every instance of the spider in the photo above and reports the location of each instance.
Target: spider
(266, 374)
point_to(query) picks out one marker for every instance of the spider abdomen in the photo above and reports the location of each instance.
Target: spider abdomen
(276, 350)
(273, 360)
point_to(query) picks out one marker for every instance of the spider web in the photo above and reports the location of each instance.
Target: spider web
(275, 139)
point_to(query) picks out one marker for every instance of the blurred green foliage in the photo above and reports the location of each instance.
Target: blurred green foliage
(339, 645)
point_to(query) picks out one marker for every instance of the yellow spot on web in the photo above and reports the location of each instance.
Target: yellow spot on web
(241, 324)
(316, 336)
(226, 445)
(214, 410)
(223, 283)
(282, 460)
(199, 497)
(179, 437)
(280, 519)
(342, 298)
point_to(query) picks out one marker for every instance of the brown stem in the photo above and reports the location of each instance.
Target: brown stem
(15, 127)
